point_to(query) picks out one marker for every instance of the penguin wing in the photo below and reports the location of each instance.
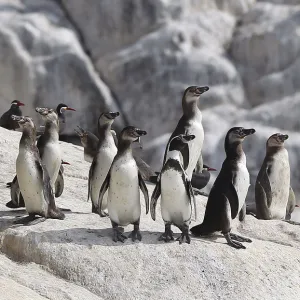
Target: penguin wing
(154, 197)
(15, 191)
(190, 192)
(144, 189)
(103, 189)
(59, 183)
(40, 145)
(266, 192)
(47, 189)
(115, 137)
(231, 194)
(91, 173)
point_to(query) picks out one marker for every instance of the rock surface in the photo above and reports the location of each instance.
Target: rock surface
(76, 258)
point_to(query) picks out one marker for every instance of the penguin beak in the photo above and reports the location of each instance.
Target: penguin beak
(141, 132)
(296, 205)
(248, 132)
(202, 89)
(21, 104)
(69, 108)
(211, 169)
(284, 137)
(113, 115)
(64, 163)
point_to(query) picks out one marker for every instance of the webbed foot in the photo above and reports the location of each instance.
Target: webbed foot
(232, 243)
(118, 236)
(184, 237)
(167, 235)
(135, 235)
(239, 238)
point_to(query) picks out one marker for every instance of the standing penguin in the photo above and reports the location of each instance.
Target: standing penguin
(106, 151)
(6, 121)
(176, 192)
(60, 110)
(273, 180)
(123, 183)
(89, 142)
(228, 194)
(190, 123)
(48, 143)
(33, 178)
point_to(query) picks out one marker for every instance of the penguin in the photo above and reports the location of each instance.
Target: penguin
(123, 182)
(33, 178)
(190, 123)
(89, 142)
(176, 192)
(48, 143)
(106, 151)
(227, 196)
(273, 180)
(17, 200)
(6, 120)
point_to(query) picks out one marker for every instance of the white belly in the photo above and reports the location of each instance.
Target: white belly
(105, 158)
(175, 203)
(280, 183)
(52, 161)
(30, 183)
(242, 181)
(195, 146)
(124, 205)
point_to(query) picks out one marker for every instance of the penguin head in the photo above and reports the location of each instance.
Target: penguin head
(48, 114)
(277, 140)
(237, 134)
(24, 122)
(16, 103)
(132, 134)
(107, 118)
(61, 108)
(83, 135)
(192, 93)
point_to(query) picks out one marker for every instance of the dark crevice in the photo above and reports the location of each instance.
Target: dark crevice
(89, 55)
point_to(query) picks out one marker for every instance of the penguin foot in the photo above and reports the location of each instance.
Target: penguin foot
(239, 238)
(232, 243)
(184, 238)
(291, 222)
(10, 204)
(135, 234)
(167, 235)
(118, 236)
(103, 214)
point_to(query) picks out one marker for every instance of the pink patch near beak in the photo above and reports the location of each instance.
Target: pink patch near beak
(211, 169)
(64, 163)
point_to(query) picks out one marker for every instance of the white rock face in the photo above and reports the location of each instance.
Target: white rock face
(87, 264)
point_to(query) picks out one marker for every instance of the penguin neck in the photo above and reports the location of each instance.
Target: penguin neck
(234, 151)
(51, 130)
(274, 149)
(191, 109)
(124, 148)
(28, 138)
(104, 132)
(15, 110)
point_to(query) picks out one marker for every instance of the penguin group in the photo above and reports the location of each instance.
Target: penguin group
(117, 175)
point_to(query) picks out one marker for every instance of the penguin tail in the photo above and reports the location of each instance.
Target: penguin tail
(201, 229)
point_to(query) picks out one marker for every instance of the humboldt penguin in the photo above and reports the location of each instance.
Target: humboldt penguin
(106, 151)
(48, 143)
(228, 194)
(89, 142)
(16, 196)
(176, 192)
(6, 120)
(273, 180)
(33, 178)
(190, 123)
(124, 182)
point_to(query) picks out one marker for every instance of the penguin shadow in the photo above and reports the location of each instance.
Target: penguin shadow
(100, 237)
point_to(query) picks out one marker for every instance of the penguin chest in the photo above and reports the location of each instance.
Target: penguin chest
(279, 179)
(31, 184)
(241, 181)
(105, 157)
(195, 146)
(52, 160)
(123, 194)
(175, 202)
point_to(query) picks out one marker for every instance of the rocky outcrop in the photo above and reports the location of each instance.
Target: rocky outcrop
(76, 258)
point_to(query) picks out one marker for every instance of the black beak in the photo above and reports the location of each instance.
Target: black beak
(284, 137)
(141, 132)
(113, 115)
(202, 89)
(248, 131)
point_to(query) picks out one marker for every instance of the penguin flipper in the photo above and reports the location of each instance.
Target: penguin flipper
(15, 191)
(262, 208)
(103, 189)
(155, 195)
(114, 134)
(91, 173)
(59, 184)
(40, 145)
(233, 199)
(267, 185)
(242, 213)
(144, 189)
(190, 192)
